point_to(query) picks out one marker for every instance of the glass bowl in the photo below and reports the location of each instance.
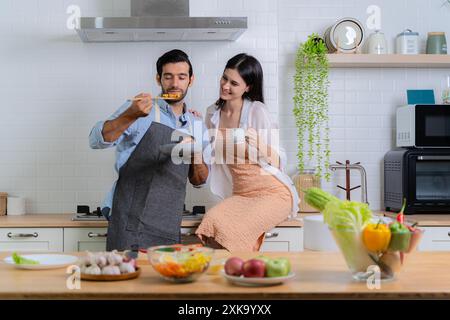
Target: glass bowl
(364, 264)
(180, 263)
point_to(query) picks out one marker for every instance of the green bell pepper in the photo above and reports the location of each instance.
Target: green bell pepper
(400, 237)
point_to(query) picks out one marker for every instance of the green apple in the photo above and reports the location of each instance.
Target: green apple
(278, 267)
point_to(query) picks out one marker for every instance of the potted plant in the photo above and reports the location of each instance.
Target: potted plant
(311, 109)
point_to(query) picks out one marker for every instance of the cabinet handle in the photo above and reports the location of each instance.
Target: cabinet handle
(448, 234)
(97, 235)
(22, 235)
(187, 234)
(271, 235)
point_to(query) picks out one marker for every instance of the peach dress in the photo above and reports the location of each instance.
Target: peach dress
(259, 203)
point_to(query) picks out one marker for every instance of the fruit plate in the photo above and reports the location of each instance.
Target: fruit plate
(257, 282)
(46, 261)
(107, 277)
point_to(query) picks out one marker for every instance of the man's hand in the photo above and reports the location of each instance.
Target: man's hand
(113, 129)
(140, 108)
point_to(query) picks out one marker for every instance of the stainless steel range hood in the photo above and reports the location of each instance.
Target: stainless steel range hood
(160, 20)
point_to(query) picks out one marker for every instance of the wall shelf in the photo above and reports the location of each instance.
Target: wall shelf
(389, 61)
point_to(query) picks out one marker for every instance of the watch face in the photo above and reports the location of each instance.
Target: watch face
(347, 35)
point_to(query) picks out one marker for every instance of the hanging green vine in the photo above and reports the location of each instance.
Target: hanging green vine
(311, 105)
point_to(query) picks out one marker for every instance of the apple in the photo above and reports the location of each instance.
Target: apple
(254, 268)
(263, 258)
(278, 267)
(233, 266)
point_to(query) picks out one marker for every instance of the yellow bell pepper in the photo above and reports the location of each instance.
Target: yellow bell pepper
(376, 237)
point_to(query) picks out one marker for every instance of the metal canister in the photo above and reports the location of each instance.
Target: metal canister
(407, 42)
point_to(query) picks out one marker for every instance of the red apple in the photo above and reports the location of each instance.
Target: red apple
(233, 266)
(254, 268)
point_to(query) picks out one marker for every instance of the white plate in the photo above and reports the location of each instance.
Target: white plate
(257, 282)
(46, 261)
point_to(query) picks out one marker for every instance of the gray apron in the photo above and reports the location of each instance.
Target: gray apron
(149, 195)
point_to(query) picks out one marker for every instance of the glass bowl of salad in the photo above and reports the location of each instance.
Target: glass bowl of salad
(379, 251)
(180, 263)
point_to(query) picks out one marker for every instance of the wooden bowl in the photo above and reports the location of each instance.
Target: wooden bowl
(105, 277)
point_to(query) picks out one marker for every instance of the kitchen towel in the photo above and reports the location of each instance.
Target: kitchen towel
(15, 206)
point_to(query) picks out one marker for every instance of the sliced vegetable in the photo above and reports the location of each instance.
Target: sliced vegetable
(22, 260)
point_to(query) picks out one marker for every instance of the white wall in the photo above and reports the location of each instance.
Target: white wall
(54, 88)
(362, 101)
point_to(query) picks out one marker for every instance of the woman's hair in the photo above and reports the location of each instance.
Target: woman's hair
(251, 71)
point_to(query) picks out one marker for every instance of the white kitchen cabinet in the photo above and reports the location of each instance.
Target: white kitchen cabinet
(82, 239)
(31, 239)
(435, 239)
(284, 240)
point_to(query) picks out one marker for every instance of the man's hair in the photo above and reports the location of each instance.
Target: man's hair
(173, 56)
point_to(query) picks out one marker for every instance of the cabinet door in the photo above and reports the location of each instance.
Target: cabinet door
(283, 239)
(31, 239)
(82, 239)
(435, 239)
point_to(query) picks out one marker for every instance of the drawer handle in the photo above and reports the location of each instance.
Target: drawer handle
(271, 235)
(22, 235)
(187, 234)
(97, 235)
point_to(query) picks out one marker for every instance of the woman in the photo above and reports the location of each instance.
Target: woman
(247, 173)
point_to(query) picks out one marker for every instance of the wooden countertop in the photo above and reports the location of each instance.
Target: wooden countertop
(319, 275)
(65, 221)
(425, 220)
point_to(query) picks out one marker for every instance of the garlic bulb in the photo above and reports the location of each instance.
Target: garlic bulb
(126, 267)
(111, 270)
(93, 269)
(114, 258)
(101, 260)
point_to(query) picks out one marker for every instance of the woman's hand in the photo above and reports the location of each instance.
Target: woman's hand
(251, 137)
(196, 113)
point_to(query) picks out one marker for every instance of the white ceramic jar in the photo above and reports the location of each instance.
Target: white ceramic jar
(377, 43)
(407, 42)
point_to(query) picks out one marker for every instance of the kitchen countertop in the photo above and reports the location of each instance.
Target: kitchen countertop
(425, 220)
(65, 221)
(319, 275)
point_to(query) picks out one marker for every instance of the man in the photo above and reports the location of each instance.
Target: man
(145, 204)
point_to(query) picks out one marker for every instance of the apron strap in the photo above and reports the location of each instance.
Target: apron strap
(157, 114)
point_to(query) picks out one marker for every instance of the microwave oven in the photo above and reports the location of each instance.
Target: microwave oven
(421, 176)
(423, 126)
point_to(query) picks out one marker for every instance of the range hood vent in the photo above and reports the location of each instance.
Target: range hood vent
(160, 20)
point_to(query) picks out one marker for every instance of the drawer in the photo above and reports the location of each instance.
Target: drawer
(283, 239)
(435, 239)
(82, 239)
(31, 239)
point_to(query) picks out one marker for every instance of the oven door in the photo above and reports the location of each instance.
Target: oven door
(429, 183)
(432, 126)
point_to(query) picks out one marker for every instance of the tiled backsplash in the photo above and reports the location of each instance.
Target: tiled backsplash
(54, 88)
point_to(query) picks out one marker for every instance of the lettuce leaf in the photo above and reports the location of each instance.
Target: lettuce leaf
(347, 215)
(21, 260)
